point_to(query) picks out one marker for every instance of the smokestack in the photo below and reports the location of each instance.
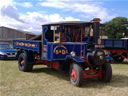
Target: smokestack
(96, 29)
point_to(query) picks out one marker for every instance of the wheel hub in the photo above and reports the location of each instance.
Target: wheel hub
(73, 74)
(22, 63)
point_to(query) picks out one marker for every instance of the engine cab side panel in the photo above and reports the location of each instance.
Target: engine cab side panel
(60, 51)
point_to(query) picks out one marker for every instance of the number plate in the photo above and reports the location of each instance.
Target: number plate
(11, 55)
(99, 46)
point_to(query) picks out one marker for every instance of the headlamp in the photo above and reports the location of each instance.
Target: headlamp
(2, 53)
(73, 54)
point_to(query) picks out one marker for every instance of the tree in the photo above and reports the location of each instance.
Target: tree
(116, 27)
(126, 34)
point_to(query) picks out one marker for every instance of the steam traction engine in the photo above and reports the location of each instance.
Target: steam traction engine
(73, 47)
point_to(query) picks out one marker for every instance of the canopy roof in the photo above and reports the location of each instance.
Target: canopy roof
(69, 23)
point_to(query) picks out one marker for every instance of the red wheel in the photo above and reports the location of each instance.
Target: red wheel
(76, 74)
(24, 64)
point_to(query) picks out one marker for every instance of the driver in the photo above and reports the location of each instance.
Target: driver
(65, 36)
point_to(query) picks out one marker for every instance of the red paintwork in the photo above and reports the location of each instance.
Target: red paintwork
(93, 73)
(87, 63)
(55, 64)
(73, 74)
(22, 62)
(76, 41)
(86, 74)
(118, 52)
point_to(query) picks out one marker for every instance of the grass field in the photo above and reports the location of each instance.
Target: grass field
(44, 81)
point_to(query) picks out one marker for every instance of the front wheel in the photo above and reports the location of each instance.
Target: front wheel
(76, 74)
(107, 72)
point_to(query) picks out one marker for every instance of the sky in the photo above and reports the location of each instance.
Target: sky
(29, 15)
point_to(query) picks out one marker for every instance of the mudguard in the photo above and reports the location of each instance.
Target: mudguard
(108, 58)
(77, 59)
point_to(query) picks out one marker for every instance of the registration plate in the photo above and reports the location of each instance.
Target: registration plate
(99, 46)
(11, 55)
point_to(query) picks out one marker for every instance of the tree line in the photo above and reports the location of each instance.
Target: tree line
(116, 28)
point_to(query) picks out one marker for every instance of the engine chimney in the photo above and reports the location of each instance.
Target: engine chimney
(96, 29)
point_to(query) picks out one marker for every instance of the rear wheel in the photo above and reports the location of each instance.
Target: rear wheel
(118, 59)
(24, 64)
(107, 72)
(76, 74)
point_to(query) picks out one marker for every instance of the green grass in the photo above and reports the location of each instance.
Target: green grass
(44, 81)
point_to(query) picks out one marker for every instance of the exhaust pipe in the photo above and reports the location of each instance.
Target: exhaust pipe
(96, 30)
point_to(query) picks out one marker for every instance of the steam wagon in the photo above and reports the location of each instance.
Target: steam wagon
(116, 48)
(71, 46)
